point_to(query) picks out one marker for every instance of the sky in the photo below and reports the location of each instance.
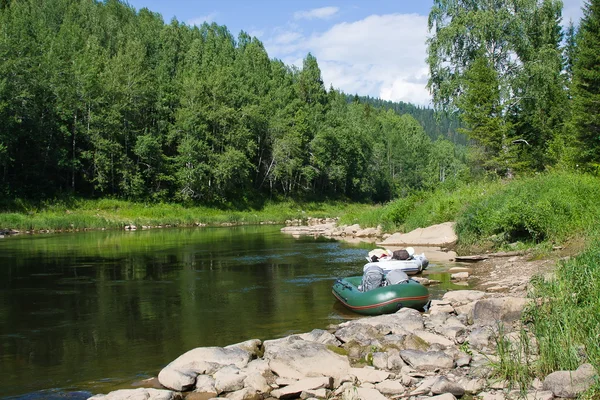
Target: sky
(374, 47)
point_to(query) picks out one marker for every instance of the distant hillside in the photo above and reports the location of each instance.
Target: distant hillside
(445, 126)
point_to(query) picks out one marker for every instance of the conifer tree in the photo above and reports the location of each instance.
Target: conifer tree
(586, 85)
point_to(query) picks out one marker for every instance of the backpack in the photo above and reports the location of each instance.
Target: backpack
(372, 278)
(396, 276)
(400, 255)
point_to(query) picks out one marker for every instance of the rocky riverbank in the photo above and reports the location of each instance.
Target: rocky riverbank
(448, 352)
(445, 353)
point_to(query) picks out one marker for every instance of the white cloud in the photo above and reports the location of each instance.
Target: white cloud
(287, 38)
(202, 19)
(381, 56)
(317, 13)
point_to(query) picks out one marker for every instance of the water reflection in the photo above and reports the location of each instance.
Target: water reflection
(94, 311)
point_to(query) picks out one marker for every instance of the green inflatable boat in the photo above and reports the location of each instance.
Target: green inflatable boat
(381, 300)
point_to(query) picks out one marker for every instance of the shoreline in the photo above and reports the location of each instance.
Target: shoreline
(446, 351)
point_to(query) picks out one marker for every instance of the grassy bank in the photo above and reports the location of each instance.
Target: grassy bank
(564, 320)
(544, 209)
(79, 214)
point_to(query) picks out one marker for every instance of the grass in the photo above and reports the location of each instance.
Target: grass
(538, 211)
(79, 214)
(565, 321)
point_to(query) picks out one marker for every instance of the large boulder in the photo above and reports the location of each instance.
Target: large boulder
(403, 321)
(295, 358)
(427, 360)
(181, 373)
(571, 383)
(295, 389)
(498, 310)
(136, 394)
(441, 235)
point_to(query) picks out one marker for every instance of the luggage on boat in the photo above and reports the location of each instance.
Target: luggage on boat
(396, 277)
(400, 255)
(372, 278)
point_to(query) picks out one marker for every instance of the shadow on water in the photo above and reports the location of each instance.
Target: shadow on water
(92, 312)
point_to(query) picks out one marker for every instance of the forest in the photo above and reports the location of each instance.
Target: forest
(98, 99)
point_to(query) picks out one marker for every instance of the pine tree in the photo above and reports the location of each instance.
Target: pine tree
(586, 85)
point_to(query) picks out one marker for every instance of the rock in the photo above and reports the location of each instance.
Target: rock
(405, 319)
(445, 396)
(444, 385)
(179, 380)
(390, 388)
(480, 366)
(321, 336)
(139, 393)
(429, 361)
(294, 390)
(480, 338)
(295, 358)
(463, 361)
(351, 230)
(432, 338)
(571, 383)
(424, 387)
(362, 334)
(540, 395)
(462, 297)
(243, 394)
(444, 309)
(229, 379)
(503, 309)
(380, 360)
(205, 384)
(150, 383)
(491, 396)
(181, 373)
(441, 235)
(258, 365)
(497, 289)
(394, 361)
(257, 382)
(199, 396)
(370, 375)
(421, 280)
(460, 276)
(472, 386)
(363, 394)
(314, 394)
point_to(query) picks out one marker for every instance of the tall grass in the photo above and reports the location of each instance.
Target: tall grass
(566, 321)
(78, 214)
(548, 207)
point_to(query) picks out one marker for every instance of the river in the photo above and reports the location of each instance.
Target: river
(92, 312)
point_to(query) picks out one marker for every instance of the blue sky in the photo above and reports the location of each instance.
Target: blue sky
(374, 47)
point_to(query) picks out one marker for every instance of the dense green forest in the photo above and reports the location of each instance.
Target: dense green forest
(436, 125)
(99, 99)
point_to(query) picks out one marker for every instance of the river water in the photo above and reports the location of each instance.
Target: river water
(92, 312)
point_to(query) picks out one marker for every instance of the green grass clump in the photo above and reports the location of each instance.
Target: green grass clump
(549, 207)
(566, 321)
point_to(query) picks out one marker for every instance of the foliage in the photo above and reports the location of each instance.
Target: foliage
(81, 214)
(499, 66)
(547, 207)
(566, 323)
(586, 86)
(98, 99)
